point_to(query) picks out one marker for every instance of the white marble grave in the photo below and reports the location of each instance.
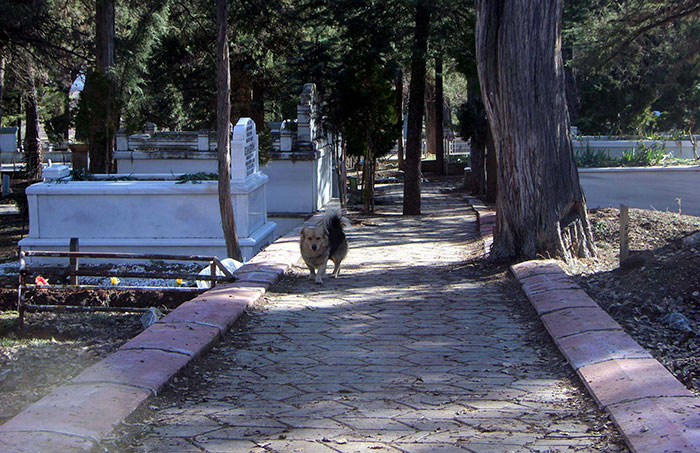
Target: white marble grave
(153, 213)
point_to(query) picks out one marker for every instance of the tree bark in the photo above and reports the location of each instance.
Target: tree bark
(491, 169)
(399, 112)
(540, 204)
(412, 175)
(223, 137)
(258, 106)
(101, 90)
(430, 118)
(104, 34)
(477, 131)
(32, 144)
(439, 118)
(2, 83)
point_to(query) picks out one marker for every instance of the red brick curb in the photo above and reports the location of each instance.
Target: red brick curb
(486, 221)
(77, 416)
(653, 411)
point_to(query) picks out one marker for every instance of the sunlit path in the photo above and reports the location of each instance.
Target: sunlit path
(411, 349)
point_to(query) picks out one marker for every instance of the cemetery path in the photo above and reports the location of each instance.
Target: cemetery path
(411, 349)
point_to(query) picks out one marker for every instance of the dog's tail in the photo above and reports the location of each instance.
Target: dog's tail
(335, 219)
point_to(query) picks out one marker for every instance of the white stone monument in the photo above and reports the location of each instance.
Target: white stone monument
(153, 214)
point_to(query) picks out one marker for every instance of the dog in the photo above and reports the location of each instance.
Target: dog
(323, 242)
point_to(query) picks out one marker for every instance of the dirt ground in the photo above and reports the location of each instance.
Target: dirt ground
(55, 347)
(655, 294)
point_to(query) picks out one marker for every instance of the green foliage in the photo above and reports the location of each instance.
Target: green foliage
(635, 58)
(365, 108)
(52, 110)
(472, 119)
(642, 156)
(92, 106)
(264, 145)
(196, 178)
(591, 159)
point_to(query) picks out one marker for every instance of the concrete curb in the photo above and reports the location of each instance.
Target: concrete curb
(79, 415)
(653, 411)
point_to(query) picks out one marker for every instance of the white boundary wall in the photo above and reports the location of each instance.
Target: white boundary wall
(645, 188)
(615, 148)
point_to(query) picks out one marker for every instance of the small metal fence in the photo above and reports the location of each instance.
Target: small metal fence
(73, 271)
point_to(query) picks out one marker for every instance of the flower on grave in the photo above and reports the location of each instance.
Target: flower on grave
(178, 281)
(40, 281)
(115, 281)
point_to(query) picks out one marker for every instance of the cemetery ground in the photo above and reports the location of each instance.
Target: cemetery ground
(660, 279)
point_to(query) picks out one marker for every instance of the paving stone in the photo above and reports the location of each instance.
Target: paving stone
(169, 444)
(614, 381)
(222, 446)
(405, 352)
(300, 446)
(572, 321)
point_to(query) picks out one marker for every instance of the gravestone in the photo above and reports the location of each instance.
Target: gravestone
(244, 150)
(306, 117)
(8, 139)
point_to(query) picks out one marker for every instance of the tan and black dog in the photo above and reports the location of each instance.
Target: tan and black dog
(323, 242)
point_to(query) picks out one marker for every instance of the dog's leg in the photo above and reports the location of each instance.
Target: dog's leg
(336, 269)
(321, 273)
(312, 273)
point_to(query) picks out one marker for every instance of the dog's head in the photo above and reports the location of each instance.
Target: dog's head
(314, 239)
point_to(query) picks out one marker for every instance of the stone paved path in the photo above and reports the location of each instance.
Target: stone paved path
(410, 349)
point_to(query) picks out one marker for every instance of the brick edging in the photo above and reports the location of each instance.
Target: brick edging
(77, 416)
(486, 221)
(653, 411)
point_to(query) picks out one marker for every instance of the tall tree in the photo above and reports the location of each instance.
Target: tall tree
(2, 80)
(100, 90)
(32, 144)
(399, 121)
(540, 205)
(412, 175)
(439, 117)
(223, 137)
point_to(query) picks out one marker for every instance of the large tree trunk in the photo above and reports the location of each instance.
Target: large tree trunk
(223, 127)
(477, 131)
(258, 107)
(540, 204)
(412, 176)
(399, 112)
(32, 144)
(430, 125)
(101, 90)
(2, 82)
(491, 169)
(242, 93)
(439, 118)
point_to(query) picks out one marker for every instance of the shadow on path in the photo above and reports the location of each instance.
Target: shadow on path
(411, 349)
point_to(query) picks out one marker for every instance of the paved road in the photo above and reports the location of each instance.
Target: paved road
(411, 349)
